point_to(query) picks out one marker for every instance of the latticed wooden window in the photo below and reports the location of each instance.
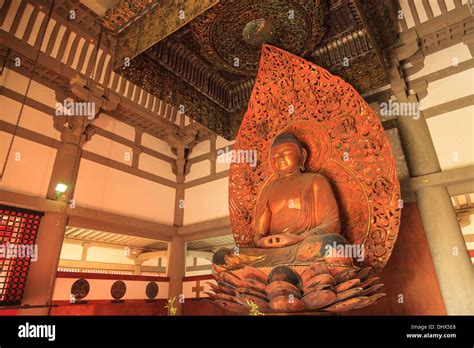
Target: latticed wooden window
(18, 230)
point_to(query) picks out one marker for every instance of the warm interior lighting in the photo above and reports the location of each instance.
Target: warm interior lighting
(61, 188)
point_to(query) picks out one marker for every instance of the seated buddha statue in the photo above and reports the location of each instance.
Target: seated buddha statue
(297, 216)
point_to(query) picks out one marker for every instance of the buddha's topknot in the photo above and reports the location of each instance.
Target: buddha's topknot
(286, 138)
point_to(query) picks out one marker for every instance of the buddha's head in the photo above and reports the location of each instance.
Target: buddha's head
(287, 155)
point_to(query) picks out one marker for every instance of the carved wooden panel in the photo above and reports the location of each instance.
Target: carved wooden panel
(346, 143)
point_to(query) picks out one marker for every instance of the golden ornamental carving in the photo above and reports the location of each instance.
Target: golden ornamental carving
(345, 142)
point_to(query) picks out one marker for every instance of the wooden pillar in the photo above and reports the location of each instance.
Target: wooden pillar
(176, 270)
(449, 252)
(179, 195)
(137, 150)
(137, 269)
(64, 171)
(213, 154)
(177, 248)
(417, 144)
(74, 133)
(42, 274)
(85, 249)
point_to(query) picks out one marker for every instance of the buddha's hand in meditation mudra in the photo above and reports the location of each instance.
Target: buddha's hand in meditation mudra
(279, 240)
(297, 216)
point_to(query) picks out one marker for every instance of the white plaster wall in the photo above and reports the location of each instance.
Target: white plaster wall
(453, 137)
(223, 145)
(201, 148)
(450, 88)
(29, 166)
(107, 189)
(157, 145)
(206, 202)
(443, 59)
(156, 166)
(71, 251)
(114, 255)
(198, 170)
(37, 91)
(151, 262)
(100, 289)
(221, 142)
(31, 119)
(223, 158)
(164, 260)
(110, 124)
(200, 262)
(109, 149)
(108, 255)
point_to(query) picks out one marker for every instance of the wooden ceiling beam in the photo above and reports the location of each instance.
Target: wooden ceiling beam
(150, 26)
(444, 178)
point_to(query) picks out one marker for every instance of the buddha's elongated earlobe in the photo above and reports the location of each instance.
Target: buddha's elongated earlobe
(304, 156)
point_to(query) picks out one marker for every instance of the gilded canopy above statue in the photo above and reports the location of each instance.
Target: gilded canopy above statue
(345, 142)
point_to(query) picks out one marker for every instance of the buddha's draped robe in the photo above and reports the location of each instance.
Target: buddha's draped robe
(317, 218)
(319, 212)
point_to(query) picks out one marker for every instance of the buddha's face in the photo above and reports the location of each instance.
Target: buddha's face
(287, 158)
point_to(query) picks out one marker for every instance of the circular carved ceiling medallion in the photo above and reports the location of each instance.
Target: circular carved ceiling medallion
(118, 289)
(80, 288)
(152, 290)
(258, 31)
(232, 32)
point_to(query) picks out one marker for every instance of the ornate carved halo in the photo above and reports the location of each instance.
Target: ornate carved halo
(334, 120)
